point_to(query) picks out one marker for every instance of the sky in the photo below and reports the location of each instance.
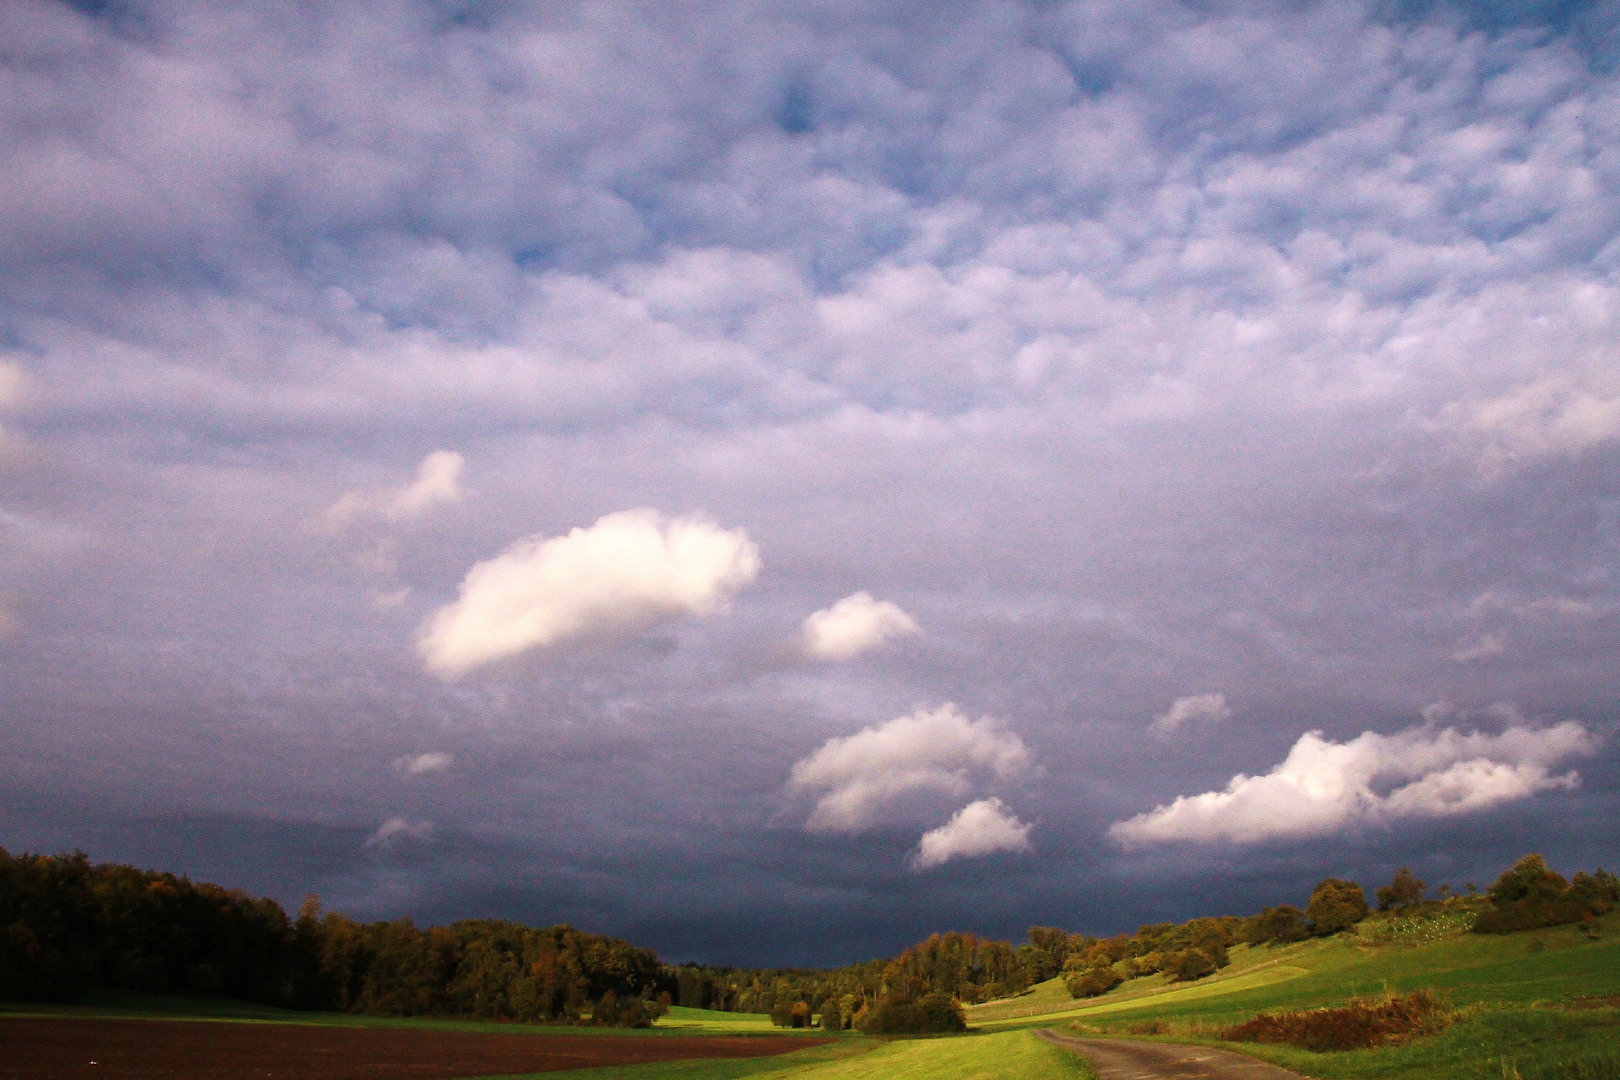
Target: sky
(771, 481)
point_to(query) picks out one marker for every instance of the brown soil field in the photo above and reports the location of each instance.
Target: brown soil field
(70, 1049)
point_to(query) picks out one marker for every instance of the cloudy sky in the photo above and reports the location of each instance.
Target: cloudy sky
(773, 480)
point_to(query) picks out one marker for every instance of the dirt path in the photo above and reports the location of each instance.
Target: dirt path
(73, 1049)
(1121, 1059)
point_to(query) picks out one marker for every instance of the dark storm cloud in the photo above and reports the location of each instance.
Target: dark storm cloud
(1137, 353)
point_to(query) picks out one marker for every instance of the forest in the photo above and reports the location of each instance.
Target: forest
(69, 926)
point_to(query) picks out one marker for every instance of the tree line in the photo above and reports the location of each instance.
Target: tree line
(68, 926)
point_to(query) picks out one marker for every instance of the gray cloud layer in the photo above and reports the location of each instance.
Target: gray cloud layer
(1132, 351)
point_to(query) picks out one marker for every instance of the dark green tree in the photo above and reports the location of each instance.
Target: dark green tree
(1405, 891)
(1336, 905)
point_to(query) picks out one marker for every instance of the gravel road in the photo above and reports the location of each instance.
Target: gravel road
(1121, 1059)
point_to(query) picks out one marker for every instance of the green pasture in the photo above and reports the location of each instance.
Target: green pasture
(1467, 969)
(1519, 998)
(1010, 1055)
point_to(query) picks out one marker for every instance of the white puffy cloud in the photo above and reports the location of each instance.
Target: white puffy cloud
(628, 571)
(438, 481)
(1191, 709)
(979, 828)
(1323, 787)
(397, 831)
(417, 764)
(929, 752)
(854, 625)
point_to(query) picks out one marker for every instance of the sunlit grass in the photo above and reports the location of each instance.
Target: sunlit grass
(1013, 1055)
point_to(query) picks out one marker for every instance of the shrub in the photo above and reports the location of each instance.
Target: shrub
(931, 1014)
(790, 1014)
(1193, 964)
(1529, 896)
(1336, 905)
(1282, 924)
(1404, 892)
(1093, 983)
(1356, 1026)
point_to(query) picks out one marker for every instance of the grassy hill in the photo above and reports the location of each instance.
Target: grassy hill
(1542, 1003)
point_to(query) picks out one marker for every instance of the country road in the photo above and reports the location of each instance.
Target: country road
(1121, 1059)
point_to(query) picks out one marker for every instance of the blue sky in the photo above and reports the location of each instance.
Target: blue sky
(771, 481)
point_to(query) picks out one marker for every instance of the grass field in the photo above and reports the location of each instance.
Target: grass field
(1009, 1055)
(1513, 994)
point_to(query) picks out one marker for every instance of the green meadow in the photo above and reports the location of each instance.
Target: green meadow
(1007, 1055)
(1534, 1004)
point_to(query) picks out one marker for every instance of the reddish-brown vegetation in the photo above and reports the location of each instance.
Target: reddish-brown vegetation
(70, 1049)
(1359, 1024)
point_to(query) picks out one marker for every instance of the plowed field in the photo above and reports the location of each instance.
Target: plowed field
(61, 1049)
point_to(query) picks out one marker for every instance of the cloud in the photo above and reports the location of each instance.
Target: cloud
(1542, 608)
(1480, 647)
(979, 828)
(438, 481)
(417, 764)
(1546, 417)
(629, 571)
(854, 625)
(1192, 709)
(1323, 787)
(929, 752)
(397, 831)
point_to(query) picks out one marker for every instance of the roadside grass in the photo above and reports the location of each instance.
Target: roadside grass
(1012, 1055)
(1487, 1043)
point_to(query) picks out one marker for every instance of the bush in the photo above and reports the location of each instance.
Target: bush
(1336, 905)
(1193, 964)
(1356, 1026)
(790, 1014)
(1529, 896)
(934, 1013)
(1093, 983)
(1281, 924)
(1404, 892)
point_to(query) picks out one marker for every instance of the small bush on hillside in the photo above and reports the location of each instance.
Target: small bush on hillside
(1530, 896)
(1280, 925)
(929, 1015)
(1336, 905)
(1093, 983)
(1193, 964)
(1356, 1026)
(1406, 891)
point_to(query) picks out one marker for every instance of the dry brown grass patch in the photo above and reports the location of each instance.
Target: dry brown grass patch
(1360, 1024)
